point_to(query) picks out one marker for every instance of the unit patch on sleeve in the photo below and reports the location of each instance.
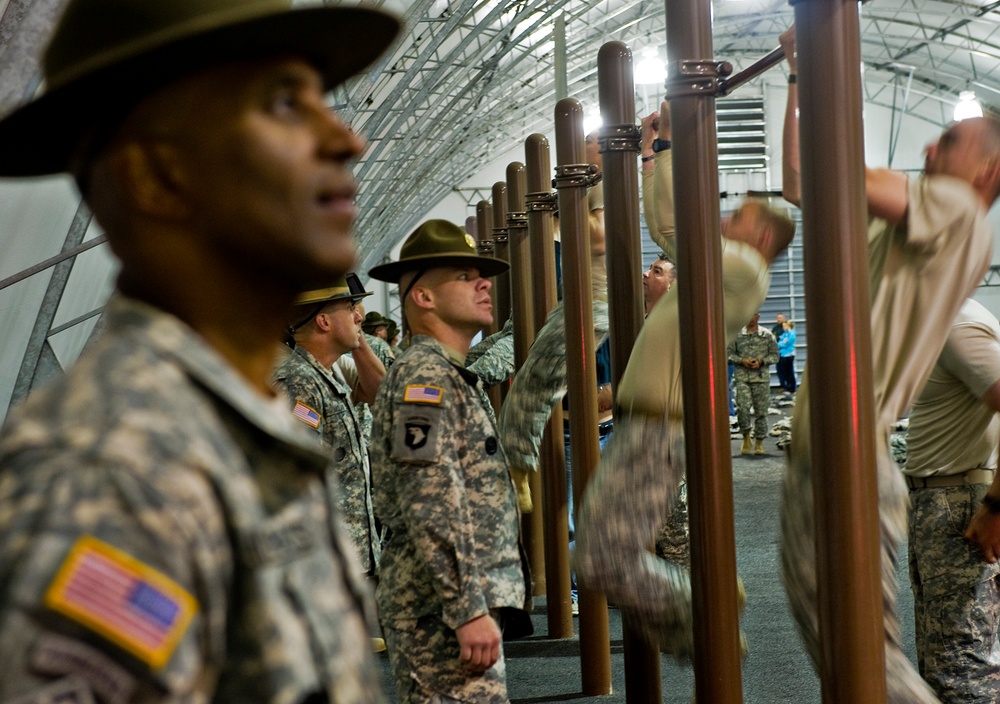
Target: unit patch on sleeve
(128, 602)
(418, 393)
(307, 415)
(417, 434)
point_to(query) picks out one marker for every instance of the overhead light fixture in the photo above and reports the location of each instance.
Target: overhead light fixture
(650, 70)
(967, 106)
(592, 121)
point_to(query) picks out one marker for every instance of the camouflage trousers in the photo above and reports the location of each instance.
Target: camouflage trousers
(626, 504)
(674, 541)
(758, 396)
(798, 555)
(538, 385)
(956, 597)
(424, 654)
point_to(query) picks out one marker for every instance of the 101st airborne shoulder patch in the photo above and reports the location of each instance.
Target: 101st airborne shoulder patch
(123, 599)
(421, 393)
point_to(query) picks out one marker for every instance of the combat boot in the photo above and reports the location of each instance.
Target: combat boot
(745, 450)
(758, 449)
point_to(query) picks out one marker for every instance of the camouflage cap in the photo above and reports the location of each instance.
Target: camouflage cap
(111, 53)
(438, 243)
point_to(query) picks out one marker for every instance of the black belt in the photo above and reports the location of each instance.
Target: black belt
(973, 476)
(604, 428)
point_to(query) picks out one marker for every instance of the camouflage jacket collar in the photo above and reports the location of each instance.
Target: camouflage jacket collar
(471, 378)
(151, 327)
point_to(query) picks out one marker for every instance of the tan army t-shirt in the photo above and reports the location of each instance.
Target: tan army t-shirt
(951, 429)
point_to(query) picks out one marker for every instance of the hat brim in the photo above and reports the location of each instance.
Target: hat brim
(391, 272)
(353, 297)
(40, 137)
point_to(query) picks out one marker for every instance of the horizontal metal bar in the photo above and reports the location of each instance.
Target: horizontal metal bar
(51, 262)
(773, 58)
(75, 321)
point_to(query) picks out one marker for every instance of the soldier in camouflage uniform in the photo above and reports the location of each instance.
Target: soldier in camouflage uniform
(928, 247)
(635, 487)
(453, 574)
(385, 354)
(165, 529)
(751, 353)
(326, 326)
(954, 535)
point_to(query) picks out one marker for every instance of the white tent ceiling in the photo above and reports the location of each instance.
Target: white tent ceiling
(467, 81)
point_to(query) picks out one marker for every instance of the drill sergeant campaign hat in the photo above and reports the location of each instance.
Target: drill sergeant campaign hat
(374, 320)
(437, 243)
(309, 304)
(106, 55)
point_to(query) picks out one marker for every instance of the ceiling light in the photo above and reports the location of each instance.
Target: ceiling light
(650, 69)
(592, 121)
(967, 106)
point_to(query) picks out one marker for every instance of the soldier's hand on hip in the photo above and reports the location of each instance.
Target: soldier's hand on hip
(984, 532)
(479, 640)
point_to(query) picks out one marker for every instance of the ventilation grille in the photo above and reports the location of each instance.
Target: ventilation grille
(741, 130)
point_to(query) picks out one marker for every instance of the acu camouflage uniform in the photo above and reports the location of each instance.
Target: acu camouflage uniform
(321, 399)
(153, 461)
(639, 478)
(387, 356)
(953, 440)
(492, 360)
(444, 491)
(752, 387)
(538, 385)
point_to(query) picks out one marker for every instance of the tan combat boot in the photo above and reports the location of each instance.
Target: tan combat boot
(758, 448)
(745, 450)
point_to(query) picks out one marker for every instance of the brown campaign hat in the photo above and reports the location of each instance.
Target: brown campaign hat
(374, 320)
(309, 304)
(346, 287)
(105, 55)
(438, 243)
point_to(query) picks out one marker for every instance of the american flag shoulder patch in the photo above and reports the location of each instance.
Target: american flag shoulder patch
(307, 415)
(121, 598)
(418, 393)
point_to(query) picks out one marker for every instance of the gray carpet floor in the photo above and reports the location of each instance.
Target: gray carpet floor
(776, 670)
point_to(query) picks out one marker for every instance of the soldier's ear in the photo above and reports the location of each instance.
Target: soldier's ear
(988, 177)
(422, 297)
(322, 321)
(152, 179)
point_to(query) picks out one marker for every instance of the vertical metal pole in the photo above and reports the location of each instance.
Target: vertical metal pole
(559, 56)
(501, 251)
(581, 374)
(485, 247)
(852, 665)
(691, 88)
(532, 525)
(620, 145)
(550, 480)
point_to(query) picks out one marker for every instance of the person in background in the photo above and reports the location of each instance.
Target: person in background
(453, 573)
(929, 245)
(786, 357)
(164, 460)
